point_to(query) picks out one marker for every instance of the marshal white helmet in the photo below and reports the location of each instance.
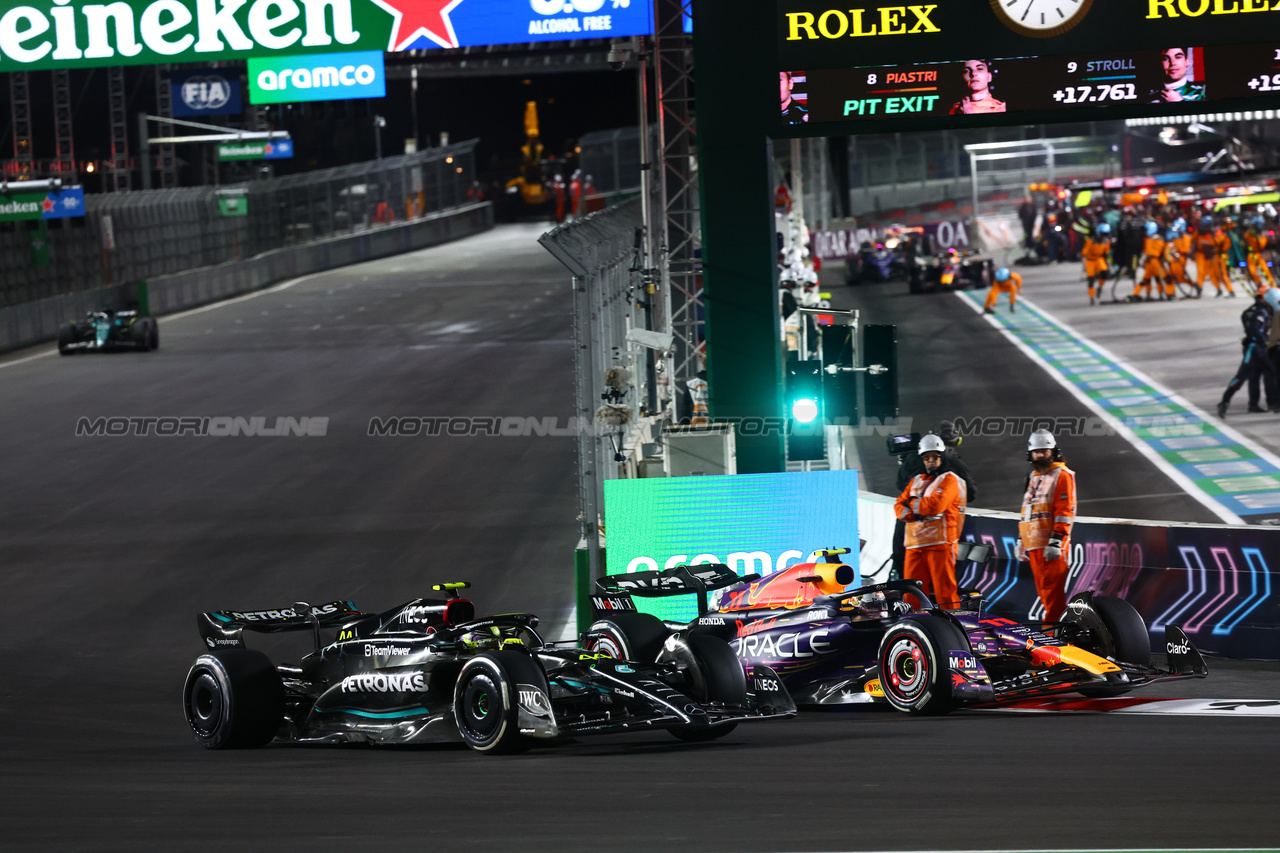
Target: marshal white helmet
(931, 444)
(1041, 439)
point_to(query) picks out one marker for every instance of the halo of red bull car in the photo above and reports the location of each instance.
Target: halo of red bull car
(430, 670)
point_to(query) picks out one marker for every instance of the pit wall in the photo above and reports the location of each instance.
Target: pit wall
(1218, 582)
(39, 321)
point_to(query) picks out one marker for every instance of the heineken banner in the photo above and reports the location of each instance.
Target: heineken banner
(79, 34)
(276, 149)
(54, 204)
(322, 77)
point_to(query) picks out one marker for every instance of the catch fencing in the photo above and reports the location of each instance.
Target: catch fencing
(140, 235)
(609, 296)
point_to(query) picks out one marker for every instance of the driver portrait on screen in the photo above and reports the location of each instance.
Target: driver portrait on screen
(977, 77)
(1179, 83)
(793, 112)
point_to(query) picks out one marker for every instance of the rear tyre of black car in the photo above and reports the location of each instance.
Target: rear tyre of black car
(717, 676)
(915, 667)
(233, 699)
(627, 636)
(486, 700)
(66, 337)
(1129, 639)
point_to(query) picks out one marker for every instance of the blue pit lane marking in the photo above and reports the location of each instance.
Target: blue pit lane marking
(1228, 473)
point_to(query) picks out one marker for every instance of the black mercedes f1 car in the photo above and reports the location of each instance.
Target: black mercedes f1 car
(109, 330)
(429, 671)
(831, 646)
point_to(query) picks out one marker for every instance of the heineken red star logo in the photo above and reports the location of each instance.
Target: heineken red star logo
(48, 204)
(416, 18)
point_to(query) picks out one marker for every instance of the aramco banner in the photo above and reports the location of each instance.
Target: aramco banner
(759, 523)
(78, 34)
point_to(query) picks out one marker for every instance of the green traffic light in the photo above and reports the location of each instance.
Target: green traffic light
(804, 410)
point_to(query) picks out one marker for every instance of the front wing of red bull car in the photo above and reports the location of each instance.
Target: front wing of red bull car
(430, 671)
(831, 645)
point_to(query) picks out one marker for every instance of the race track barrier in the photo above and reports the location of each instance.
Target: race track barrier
(34, 322)
(1218, 582)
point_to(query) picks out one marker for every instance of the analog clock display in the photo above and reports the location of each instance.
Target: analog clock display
(1041, 18)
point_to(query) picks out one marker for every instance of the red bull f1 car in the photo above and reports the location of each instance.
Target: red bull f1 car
(836, 646)
(429, 671)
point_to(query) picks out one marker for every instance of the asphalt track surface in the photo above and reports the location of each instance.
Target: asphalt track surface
(109, 546)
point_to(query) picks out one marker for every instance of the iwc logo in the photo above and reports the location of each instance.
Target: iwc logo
(1040, 18)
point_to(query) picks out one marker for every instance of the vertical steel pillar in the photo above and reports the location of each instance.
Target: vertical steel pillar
(679, 236)
(64, 142)
(118, 100)
(20, 114)
(166, 162)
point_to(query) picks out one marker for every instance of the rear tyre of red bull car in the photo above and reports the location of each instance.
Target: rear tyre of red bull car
(627, 636)
(915, 672)
(715, 675)
(233, 698)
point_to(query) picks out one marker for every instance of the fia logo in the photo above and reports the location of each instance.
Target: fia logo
(210, 92)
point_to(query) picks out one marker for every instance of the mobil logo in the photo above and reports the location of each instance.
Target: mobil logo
(317, 77)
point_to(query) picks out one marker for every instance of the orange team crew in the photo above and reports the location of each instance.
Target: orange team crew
(1048, 512)
(1206, 247)
(932, 505)
(1179, 240)
(1255, 241)
(1153, 246)
(1095, 253)
(1005, 282)
(1223, 236)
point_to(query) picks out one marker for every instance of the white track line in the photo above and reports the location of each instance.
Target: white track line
(1141, 446)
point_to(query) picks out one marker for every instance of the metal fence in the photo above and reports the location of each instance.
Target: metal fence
(155, 232)
(608, 291)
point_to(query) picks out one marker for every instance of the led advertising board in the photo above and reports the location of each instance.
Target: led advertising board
(758, 523)
(276, 149)
(1186, 76)
(205, 92)
(917, 66)
(319, 77)
(36, 34)
(17, 205)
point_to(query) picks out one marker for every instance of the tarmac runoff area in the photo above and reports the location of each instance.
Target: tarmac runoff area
(1140, 382)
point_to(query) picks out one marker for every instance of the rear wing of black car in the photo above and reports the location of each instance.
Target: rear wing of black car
(613, 592)
(222, 629)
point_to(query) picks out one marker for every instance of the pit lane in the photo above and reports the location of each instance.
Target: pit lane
(111, 545)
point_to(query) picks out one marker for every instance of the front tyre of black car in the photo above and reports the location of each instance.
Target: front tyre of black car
(140, 334)
(155, 333)
(485, 701)
(717, 676)
(233, 699)
(915, 669)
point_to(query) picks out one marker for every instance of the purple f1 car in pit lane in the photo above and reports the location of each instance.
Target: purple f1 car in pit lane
(429, 671)
(832, 646)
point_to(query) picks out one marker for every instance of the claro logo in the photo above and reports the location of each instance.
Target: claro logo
(1180, 648)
